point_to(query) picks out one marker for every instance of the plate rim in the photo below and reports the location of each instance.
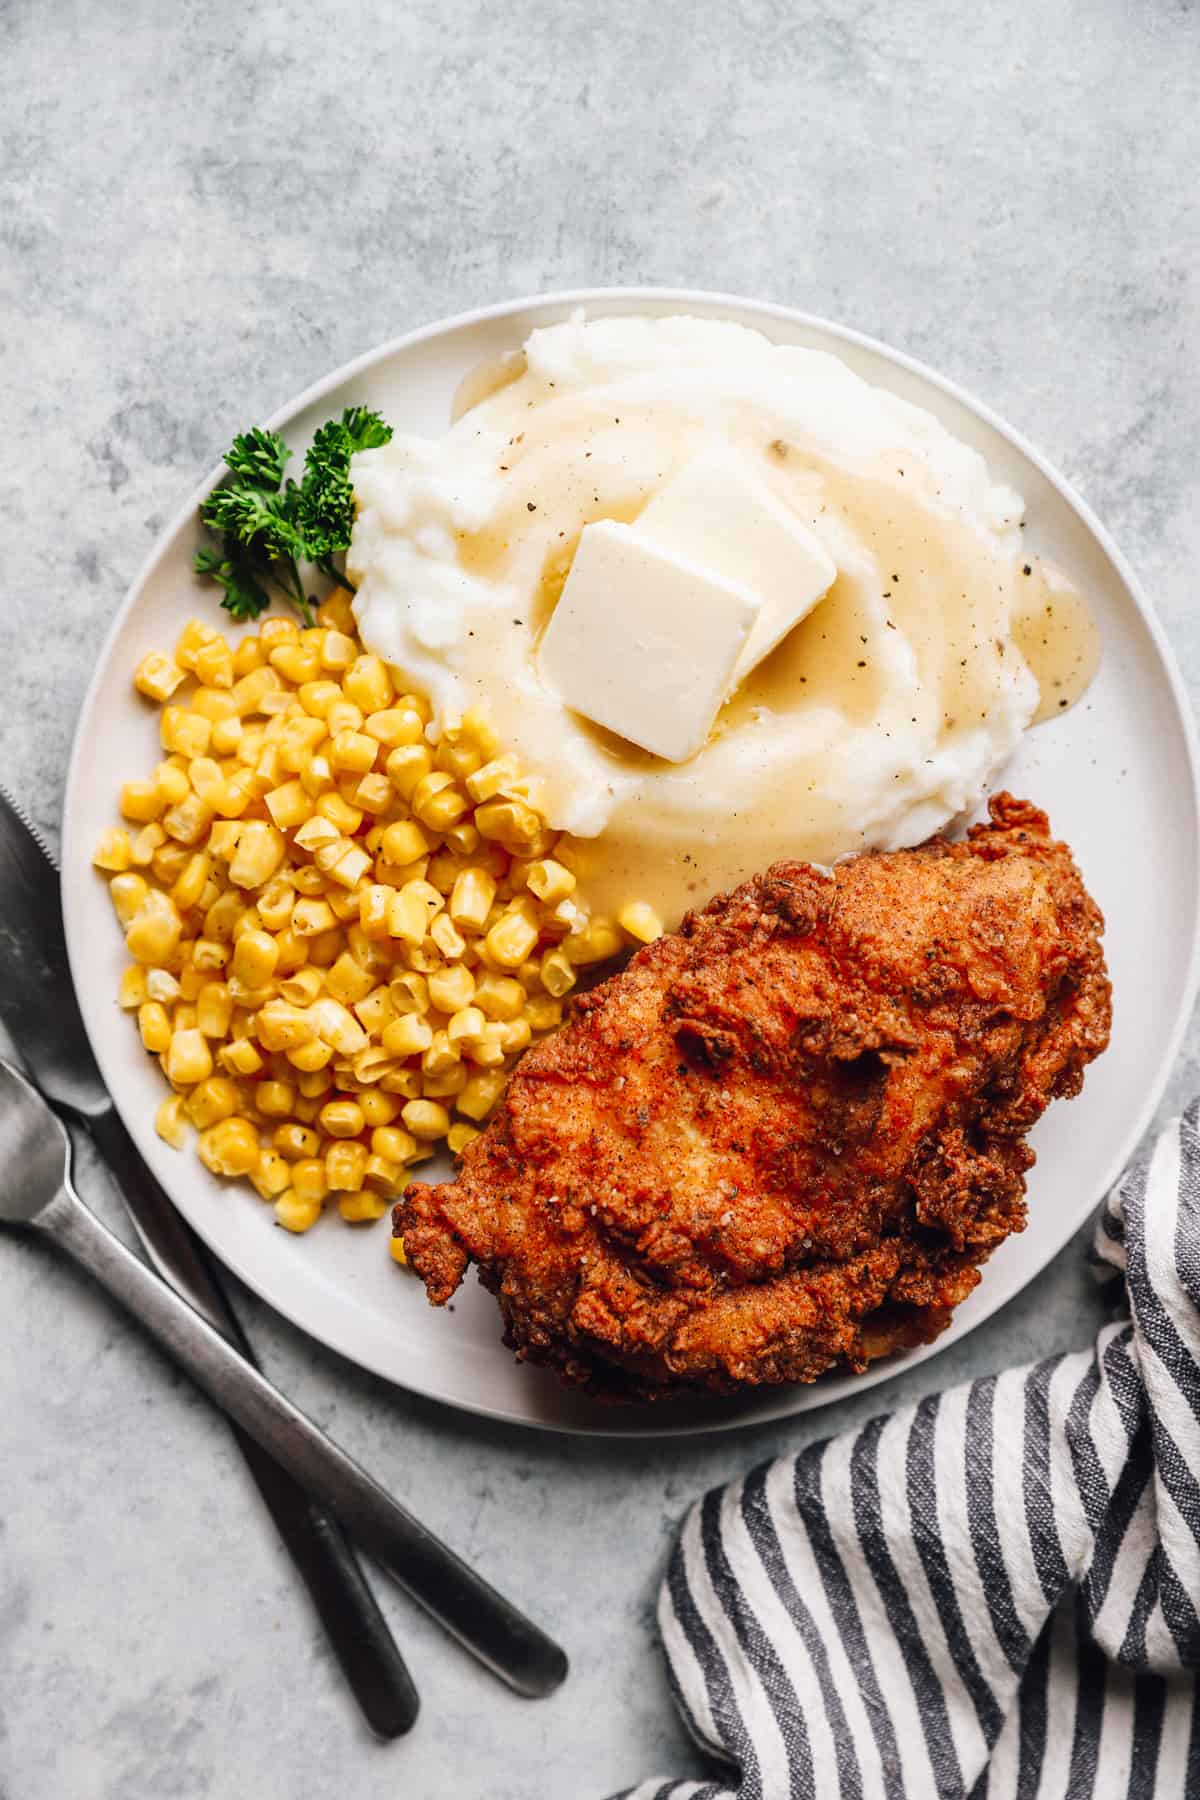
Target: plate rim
(683, 297)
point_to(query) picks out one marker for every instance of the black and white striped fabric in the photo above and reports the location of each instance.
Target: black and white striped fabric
(993, 1593)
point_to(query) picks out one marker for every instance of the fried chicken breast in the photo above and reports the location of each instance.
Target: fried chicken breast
(787, 1136)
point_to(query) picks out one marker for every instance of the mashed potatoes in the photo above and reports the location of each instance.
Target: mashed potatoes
(875, 721)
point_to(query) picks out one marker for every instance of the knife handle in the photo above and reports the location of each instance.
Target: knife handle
(354, 1624)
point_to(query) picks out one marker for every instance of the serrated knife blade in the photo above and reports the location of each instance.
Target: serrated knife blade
(37, 996)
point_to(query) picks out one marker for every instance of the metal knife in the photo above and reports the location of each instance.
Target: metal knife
(39, 1010)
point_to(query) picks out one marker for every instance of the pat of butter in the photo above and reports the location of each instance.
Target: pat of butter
(718, 513)
(644, 640)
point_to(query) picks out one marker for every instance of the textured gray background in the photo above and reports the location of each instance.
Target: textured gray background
(203, 207)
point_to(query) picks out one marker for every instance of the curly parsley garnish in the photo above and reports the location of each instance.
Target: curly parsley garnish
(269, 524)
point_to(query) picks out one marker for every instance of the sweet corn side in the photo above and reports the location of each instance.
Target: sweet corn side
(344, 923)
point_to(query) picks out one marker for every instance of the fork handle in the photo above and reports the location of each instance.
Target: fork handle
(354, 1623)
(503, 1639)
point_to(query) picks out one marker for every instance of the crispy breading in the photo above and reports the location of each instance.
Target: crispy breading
(786, 1136)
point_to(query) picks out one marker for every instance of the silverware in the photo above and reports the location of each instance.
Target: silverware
(36, 1191)
(39, 1009)
(38, 1005)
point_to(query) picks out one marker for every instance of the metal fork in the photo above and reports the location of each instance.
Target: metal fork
(36, 1191)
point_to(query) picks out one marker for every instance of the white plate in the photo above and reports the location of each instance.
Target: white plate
(1117, 775)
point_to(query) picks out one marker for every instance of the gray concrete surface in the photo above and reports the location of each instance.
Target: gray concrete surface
(203, 207)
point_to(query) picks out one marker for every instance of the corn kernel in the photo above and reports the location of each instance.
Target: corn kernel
(640, 921)
(192, 881)
(339, 812)
(183, 1017)
(188, 822)
(394, 726)
(260, 851)
(272, 1176)
(309, 1181)
(511, 823)
(157, 676)
(154, 1026)
(345, 1166)
(399, 1080)
(551, 881)
(347, 981)
(113, 852)
(162, 986)
(230, 1147)
(140, 801)
(500, 997)
(377, 1109)
(349, 870)
(558, 973)
(368, 684)
(213, 664)
(362, 1208)
(209, 955)
(195, 634)
(459, 1136)
(404, 842)
(288, 805)
(297, 663)
(128, 895)
(146, 845)
(462, 838)
(544, 1013)
(310, 1058)
(382, 1175)
(426, 1119)
(487, 1050)
(480, 1094)
(391, 1148)
(337, 1026)
(466, 1025)
(471, 899)
(598, 940)
(447, 937)
(275, 1099)
(437, 802)
(172, 783)
(515, 1036)
(191, 979)
(213, 704)
(283, 1027)
(511, 939)
(226, 735)
(353, 750)
(250, 692)
(296, 1142)
(212, 1101)
(255, 955)
(451, 989)
(170, 1123)
(186, 733)
(407, 915)
(406, 766)
(239, 1058)
(132, 990)
(278, 630)
(189, 1059)
(338, 651)
(487, 782)
(294, 1214)
(302, 988)
(396, 1251)
(407, 1035)
(153, 936)
(341, 1118)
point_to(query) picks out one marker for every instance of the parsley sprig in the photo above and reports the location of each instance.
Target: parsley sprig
(269, 525)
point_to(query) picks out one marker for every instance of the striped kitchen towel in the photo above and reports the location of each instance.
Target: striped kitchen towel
(993, 1593)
